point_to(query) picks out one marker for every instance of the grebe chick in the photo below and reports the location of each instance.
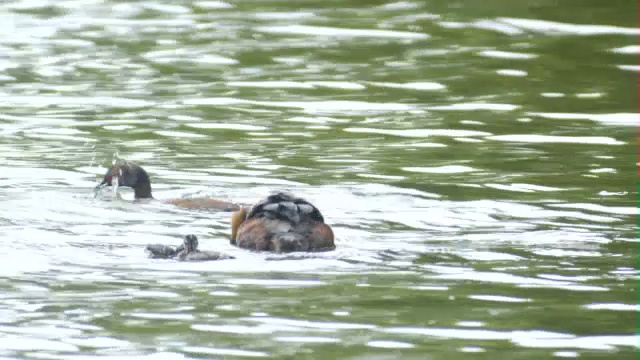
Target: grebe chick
(190, 252)
(187, 251)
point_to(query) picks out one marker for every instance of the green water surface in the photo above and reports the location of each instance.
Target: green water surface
(477, 161)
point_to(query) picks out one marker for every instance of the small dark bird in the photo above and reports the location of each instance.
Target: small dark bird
(130, 174)
(187, 251)
(281, 223)
(159, 251)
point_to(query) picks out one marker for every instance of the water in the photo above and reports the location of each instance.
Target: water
(477, 164)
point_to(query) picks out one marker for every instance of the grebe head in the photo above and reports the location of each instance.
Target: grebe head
(128, 174)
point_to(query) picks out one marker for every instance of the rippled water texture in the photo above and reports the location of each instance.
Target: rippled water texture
(476, 159)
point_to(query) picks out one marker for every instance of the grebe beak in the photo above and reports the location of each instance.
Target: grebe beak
(99, 187)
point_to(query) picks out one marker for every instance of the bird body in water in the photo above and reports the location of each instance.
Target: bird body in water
(187, 251)
(129, 174)
(281, 223)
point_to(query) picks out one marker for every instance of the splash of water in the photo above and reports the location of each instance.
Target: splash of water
(115, 182)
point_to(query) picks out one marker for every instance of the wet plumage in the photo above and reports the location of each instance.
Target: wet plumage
(130, 174)
(281, 223)
(187, 251)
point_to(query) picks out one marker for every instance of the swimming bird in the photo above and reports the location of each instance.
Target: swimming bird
(281, 223)
(187, 251)
(191, 252)
(130, 174)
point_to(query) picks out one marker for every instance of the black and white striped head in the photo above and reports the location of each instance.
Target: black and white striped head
(285, 207)
(190, 243)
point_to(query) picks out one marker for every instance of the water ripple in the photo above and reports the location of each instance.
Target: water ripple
(329, 31)
(475, 171)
